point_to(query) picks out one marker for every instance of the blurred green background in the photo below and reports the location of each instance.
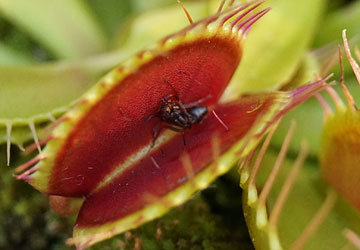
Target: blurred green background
(52, 51)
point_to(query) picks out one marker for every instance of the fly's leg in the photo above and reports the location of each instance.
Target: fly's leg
(175, 129)
(156, 132)
(196, 103)
(176, 93)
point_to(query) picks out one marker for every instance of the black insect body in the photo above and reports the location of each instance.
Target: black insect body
(197, 114)
(177, 115)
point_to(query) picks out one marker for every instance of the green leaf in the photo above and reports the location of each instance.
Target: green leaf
(335, 22)
(9, 56)
(67, 28)
(111, 13)
(275, 46)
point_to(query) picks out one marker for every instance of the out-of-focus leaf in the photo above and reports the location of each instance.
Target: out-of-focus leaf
(18, 44)
(8, 56)
(67, 28)
(111, 13)
(150, 26)
(334, 23)
(143, 5)
(306, 72)
(29, 91)
(275, 47)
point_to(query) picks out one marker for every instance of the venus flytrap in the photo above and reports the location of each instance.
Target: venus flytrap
(142, 81)
(21, 99)
(248, 118)
(100, 151)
